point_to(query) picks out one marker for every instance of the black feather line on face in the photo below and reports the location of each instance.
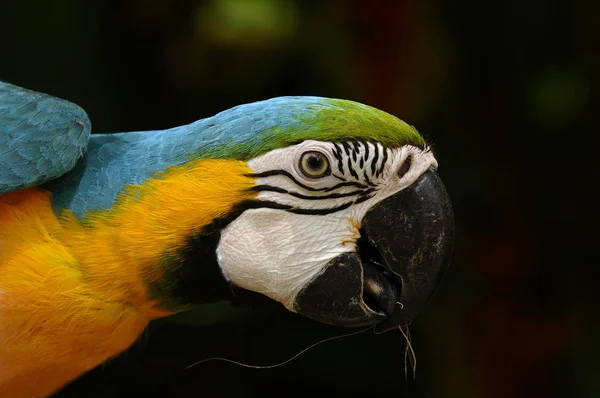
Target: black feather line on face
(346, 184)
(355, 152)
(352, 171)
(347, 148)
(270, 188)
(337, 152)
(385, 156)
(321, 212)
(338, 177)
(271, 173)
(374, 161)
(257, 204)
(364, 197)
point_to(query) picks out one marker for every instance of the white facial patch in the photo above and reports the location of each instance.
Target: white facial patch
(277, 253)
(306, 222)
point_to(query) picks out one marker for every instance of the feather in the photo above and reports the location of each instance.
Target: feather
(41, 137)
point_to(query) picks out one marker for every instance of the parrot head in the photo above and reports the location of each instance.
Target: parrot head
(348, 223)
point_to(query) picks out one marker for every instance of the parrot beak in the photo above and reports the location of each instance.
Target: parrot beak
(405, 249)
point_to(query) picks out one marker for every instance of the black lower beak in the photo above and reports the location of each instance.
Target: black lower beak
(405, 248)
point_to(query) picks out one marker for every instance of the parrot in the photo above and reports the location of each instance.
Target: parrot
(332, 208)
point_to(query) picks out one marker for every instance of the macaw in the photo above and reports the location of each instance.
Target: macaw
(330, 207)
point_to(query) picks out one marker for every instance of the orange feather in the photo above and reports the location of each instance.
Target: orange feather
(73, 293)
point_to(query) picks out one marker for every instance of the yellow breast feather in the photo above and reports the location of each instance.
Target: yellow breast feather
(73, 292)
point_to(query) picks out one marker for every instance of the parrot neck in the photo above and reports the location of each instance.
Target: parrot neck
(159, 238)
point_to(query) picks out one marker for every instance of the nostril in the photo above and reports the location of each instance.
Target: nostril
(405, 166)
(373, 291)
(379, 290)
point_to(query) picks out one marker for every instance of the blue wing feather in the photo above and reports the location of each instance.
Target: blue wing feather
(41, 137)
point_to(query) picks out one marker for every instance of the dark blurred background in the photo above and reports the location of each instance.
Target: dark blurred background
(507, 93)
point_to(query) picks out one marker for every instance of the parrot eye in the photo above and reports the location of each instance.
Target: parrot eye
(314, 164)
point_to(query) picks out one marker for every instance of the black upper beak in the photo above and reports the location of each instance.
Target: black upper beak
(405, 248)
(414, 232)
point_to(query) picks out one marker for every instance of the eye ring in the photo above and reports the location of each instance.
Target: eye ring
(314, 164)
